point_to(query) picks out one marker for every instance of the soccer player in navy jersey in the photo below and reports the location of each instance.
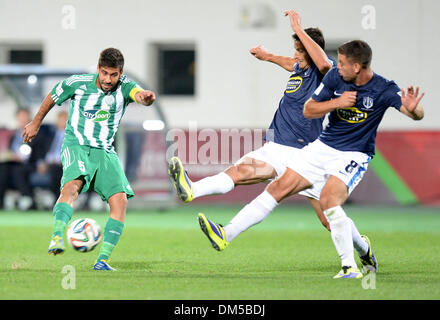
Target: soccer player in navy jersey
(288, 133)
(291, 131)
(357, 99)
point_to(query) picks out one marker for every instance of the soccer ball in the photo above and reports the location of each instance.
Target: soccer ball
(84, 235)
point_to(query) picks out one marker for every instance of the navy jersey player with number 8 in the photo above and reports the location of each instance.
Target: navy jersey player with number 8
(335, 163)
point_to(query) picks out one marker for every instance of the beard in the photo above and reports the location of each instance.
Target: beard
(347, 78)
(106, 86)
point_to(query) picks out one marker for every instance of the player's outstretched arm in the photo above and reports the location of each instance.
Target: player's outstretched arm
(145, 97)
(31, 129)
(411, 106)
(315, 52)
(261, 53)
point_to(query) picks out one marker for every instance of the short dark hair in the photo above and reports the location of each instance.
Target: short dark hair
(112, 58)
(315, 34)
(357, 51)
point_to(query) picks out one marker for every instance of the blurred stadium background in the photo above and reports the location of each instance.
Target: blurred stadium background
(196, 58)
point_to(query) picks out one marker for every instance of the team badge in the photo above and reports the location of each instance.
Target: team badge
(367, 102)
(109, 100)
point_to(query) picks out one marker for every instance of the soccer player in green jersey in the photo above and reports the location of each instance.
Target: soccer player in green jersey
(98, 102)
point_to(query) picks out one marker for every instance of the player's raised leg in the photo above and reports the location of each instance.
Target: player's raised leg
(180, 179)
(248, 171)
(62, 213)
(289, 183)
(251, 171)
(214, 232)
(259, 208)
(112, 230)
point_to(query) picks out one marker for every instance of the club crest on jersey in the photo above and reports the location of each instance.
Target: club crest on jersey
(367, 102)
(293, 84)
(96, 115)
(109, 100)
(351, 115)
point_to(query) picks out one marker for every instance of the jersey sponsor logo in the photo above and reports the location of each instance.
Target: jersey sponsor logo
(102, 115)
(367, 102)
(351, 115)
(96, 115)
(337, 94)
(293, 84)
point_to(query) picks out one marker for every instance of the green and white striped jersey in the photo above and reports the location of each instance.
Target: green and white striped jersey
(94, 116)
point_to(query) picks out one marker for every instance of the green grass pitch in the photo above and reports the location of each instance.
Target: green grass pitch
(165, 256)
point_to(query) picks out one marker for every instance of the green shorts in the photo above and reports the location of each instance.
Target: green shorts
(101, 171)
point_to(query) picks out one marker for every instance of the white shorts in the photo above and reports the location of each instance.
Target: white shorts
(278, 156)
(316, 162)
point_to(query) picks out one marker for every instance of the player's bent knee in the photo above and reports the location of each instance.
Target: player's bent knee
(235, 173)
(323, 201)
(328, 201)
(278, 190)
(124, 202)
(118, 200)
(242, 173)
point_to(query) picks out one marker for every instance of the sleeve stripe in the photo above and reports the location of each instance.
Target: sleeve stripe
(319, 89)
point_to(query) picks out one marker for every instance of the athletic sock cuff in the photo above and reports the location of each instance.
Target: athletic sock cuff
(227, 180)
(62, 211)
(113, 230)
(267, 200)
(115, 224)
(335, 214)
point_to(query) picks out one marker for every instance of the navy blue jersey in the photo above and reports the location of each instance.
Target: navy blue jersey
(289, 125)
(355, 128)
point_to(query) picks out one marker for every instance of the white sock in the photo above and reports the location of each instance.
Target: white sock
(341, 235)
(219, 184)
(251, 214)
(359, 244)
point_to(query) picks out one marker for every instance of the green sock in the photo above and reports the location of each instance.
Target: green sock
(112, 233)
(62, 213)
